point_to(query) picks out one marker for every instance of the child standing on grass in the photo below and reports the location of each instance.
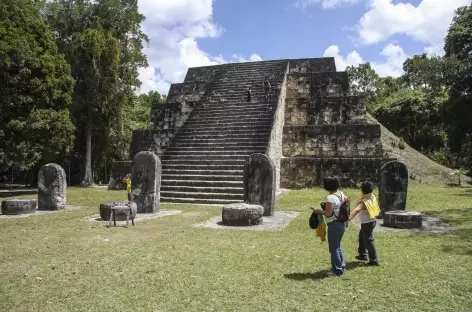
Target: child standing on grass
(127, 181)
(367, 208)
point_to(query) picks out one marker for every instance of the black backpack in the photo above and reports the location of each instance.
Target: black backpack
(314, 220)
(344, 210)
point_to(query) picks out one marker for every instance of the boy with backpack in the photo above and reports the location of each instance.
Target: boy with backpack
(368, 209)
(336, 210)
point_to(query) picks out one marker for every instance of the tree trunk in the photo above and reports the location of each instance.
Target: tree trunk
(88, 179)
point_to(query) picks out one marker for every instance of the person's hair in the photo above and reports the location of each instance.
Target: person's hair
(331, 184)
(367, 187)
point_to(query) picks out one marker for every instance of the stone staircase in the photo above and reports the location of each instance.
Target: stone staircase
(205, 160)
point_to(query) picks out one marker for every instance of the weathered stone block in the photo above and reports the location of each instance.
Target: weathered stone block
(119, 171)
(52, 187)
(170, 115)
(403, 219)
(105, 210)
(259, 182)
(242, 214)
(155, 141)
(393, 186)
(146, 182)
(18, 206)
(324, 64)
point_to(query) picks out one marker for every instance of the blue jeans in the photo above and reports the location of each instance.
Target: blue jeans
(335, 234)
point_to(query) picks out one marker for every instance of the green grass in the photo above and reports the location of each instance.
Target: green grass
(60, 262)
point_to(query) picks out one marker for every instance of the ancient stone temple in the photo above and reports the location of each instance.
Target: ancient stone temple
(309, 127)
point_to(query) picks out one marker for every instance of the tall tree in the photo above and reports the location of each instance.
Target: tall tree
(362, 79)
(102, 41)
(35, 89)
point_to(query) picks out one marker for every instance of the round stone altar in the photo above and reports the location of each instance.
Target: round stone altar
(105, 210)
(18, 206)
(403, 219)
(241, 214)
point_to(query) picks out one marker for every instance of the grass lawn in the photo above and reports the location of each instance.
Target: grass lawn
(61, 262)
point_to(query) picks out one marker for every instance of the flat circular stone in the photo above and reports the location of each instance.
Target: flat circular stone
(242, 214)
(403, 219)
(105, 210)
(18, 206)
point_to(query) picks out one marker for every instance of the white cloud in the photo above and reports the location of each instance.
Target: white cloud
(428, 22)
(174, 28)
(352, 58)
(327, 4)
(392, 66)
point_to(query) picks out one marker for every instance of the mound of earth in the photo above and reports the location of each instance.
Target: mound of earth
(420, 167)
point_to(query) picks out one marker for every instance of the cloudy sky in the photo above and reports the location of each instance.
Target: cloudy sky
(189, 33)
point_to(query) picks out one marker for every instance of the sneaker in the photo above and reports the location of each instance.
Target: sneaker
(373, 263)
(361, 258)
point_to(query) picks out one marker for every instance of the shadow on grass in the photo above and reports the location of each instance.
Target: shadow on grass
(459, 240)
(320, 274)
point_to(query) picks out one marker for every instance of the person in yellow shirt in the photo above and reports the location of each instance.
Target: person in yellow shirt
(367, 208)
(127, 181)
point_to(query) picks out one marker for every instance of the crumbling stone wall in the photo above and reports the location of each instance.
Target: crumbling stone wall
(170, 115)
(155, 141)
(325, 64)
(274, 150)
(337, 140)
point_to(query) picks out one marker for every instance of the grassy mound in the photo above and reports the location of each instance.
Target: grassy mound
(420, 167)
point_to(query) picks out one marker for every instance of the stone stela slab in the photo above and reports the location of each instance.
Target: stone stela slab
(393, 187)
(146, 182)
(259, 182)
(52, 187)
(18, 206)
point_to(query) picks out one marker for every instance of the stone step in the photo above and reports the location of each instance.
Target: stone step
(241, 115)
(198, 201)
(215, 156)
(207, 162)
(239, 104)
(230, 118)
(235, 135)
(202, 177)
(215, 152)
(213, 147)
(202, 171)
(226, 130)
(202, 183)
(235, 111)
(200, 195)
(198, 124)
(221, 141)
(202, 189)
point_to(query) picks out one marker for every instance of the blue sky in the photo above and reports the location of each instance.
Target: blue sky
(188, 33)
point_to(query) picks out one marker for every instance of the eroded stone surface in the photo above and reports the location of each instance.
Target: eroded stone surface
(105, 210)
(52, 187)
(146, 182)
(242, 214)
(393, 186)
(403, 219)
(259, 182)
(18, 206)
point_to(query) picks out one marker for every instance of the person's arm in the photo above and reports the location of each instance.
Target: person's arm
(359, 208)
(328, 209)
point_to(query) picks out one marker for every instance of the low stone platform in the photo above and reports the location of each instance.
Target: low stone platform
(403, 219)
(242, 214)
(18, 206)
(105, 210)
(41, 212)
(141, 216)
(279, 221)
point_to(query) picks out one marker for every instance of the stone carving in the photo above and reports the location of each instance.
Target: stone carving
(146, 182)
(18, 206)
(242, 214)
(259, 182)
(52, 187)
(105, 210)
(393, 186)
(403, 220)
